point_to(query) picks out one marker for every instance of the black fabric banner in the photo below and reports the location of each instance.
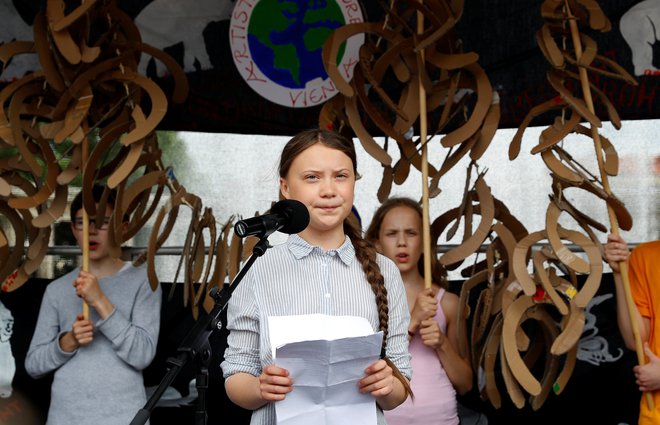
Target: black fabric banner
(502, 32)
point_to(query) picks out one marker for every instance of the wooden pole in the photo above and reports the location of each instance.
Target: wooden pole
(623, 266)
(426, 225)
(85, 243)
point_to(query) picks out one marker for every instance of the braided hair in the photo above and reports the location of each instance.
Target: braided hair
(364, 251)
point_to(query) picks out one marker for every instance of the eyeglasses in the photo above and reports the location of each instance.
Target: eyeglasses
(78, 223)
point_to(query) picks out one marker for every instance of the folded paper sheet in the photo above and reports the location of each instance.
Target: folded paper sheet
(326, 369)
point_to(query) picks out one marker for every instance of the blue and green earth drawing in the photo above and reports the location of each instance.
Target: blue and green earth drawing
(286, 38)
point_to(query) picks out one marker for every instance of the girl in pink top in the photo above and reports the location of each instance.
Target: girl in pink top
(439, 372)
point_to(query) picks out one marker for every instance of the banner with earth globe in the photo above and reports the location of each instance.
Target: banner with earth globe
(276, 47)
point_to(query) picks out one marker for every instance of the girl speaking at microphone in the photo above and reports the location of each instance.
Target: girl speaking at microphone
(328, 268)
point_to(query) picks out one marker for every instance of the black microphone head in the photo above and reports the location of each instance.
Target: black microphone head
(296, 213)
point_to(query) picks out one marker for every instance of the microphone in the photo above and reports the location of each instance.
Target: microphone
(287, 216)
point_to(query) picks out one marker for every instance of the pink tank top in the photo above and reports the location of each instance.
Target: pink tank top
(435, 397)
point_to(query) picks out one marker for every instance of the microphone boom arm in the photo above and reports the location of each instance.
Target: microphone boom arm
(196, 342)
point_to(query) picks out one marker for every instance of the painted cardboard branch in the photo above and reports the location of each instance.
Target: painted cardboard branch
(457, 90)
(86, 114)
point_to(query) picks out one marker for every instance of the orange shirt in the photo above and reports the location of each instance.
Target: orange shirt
(645, 287)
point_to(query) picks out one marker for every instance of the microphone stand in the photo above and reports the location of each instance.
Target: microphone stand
(196, 344)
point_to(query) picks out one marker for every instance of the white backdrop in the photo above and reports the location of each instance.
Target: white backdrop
(237, 175)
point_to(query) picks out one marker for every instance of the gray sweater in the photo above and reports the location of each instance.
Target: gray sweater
(100, 383)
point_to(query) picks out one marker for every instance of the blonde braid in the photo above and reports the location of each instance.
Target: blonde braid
(366, 255)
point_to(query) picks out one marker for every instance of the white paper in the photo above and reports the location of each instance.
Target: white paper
(309, 327)
(326, 357)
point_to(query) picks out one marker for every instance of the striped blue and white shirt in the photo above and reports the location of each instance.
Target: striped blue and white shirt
(296, 278)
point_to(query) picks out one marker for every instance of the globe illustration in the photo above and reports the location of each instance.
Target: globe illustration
(285, 38)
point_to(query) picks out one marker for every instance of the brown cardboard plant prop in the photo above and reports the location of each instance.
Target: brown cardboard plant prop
(457, 91)
(390, 52)
(561, 44)
(86, 113)
(91, 104)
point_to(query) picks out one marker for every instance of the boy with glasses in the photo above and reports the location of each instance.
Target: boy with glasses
(97, 361)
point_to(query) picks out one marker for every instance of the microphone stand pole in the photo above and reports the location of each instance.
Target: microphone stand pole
(196, 345)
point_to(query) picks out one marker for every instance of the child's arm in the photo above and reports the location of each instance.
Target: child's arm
(45, 353)
(81, 333)
(425, 306)
(135, 337)
(458, 369)
(383, 385)
(616, 251)
(87, 287)
(252, 392)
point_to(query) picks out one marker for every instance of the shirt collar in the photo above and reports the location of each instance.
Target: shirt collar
(301, 248)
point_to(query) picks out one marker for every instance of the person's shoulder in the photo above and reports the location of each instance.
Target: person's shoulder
(388, 269)
(61, 287)
(384, 262)
(131, 269)
(648, 248)
(279, 249)
(449, 301)
(64, 280)
(137, 276)
(133, 274)
(275, 253)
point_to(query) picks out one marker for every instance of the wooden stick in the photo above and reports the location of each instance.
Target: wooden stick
(85, 243)
(623, 266)
(426, 225)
